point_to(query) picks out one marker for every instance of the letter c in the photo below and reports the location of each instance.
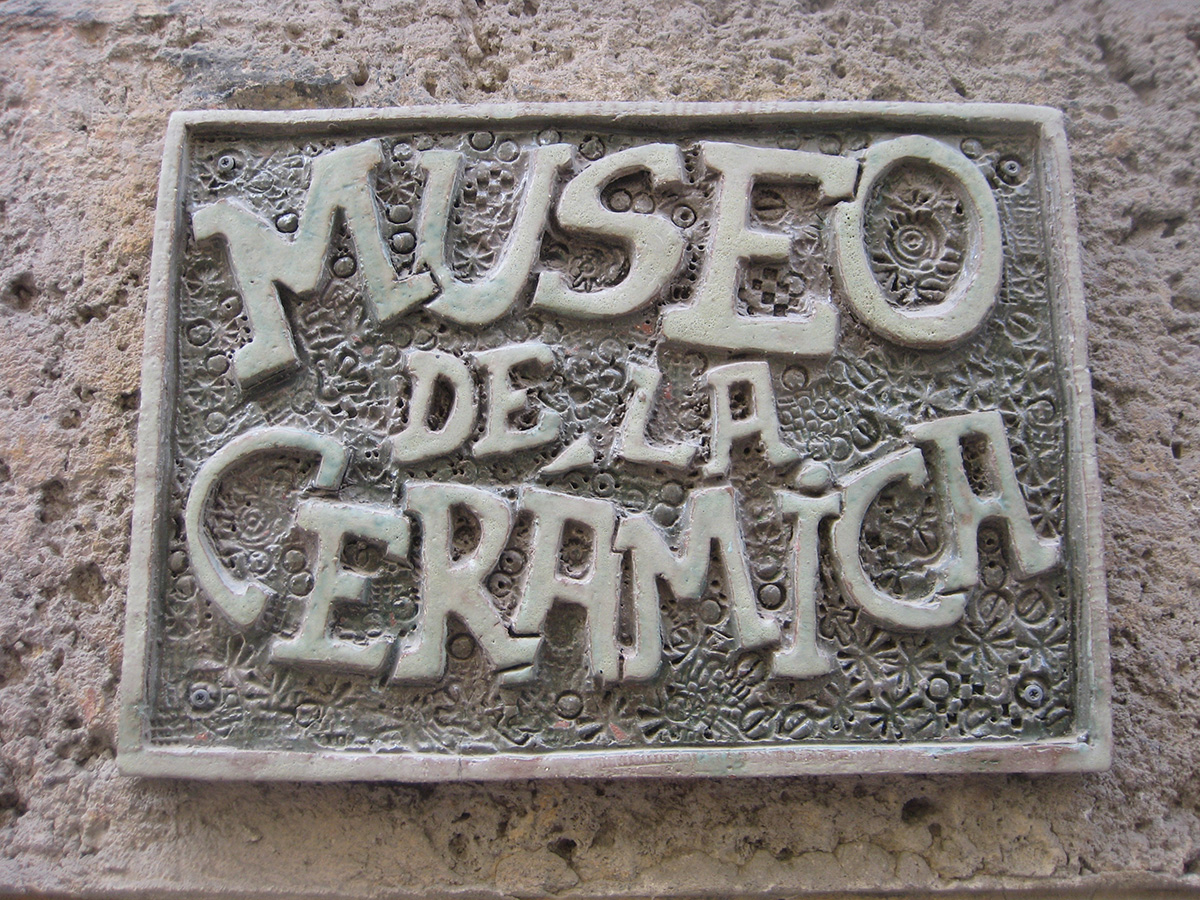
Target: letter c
(937, 609)
(242, 602)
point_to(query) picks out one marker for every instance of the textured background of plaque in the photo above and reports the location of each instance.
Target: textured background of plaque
(86, 93)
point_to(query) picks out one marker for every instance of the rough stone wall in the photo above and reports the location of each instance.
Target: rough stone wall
(85, 90)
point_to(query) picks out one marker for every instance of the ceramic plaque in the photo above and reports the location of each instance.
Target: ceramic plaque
(609, 440)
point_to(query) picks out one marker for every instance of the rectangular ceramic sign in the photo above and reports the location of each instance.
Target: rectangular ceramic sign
(615, 440)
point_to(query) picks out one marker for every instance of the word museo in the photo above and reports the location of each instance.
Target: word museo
(263, 259)
(452, 582)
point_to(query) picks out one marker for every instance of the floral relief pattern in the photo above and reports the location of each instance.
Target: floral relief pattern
(916, 236)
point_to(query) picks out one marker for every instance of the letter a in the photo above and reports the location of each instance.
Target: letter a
(595, 589)
(1001, 501)
(760, 419)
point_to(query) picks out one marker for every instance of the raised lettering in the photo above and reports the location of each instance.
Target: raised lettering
(486, 300)
(592, 583)
(332, 522)
(709, 519)
(655, 245)
(242, 602)
(755, 415)
(975, 288)
(418, 440)
(712, 319)
(455, 586)
(504, 401)
(801, 656)
(967, 510)
(263, 258)
(934, 610)
(630, 440)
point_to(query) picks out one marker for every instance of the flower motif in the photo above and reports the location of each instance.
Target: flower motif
(595, 267)
(919, 241)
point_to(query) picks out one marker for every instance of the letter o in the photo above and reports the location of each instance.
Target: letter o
(975, 287)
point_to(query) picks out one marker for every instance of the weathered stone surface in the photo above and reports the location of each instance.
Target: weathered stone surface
(86, 92)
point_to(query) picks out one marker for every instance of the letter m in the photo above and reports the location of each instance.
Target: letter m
(262, 259)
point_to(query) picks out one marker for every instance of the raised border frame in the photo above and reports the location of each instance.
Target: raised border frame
(1089, 749)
